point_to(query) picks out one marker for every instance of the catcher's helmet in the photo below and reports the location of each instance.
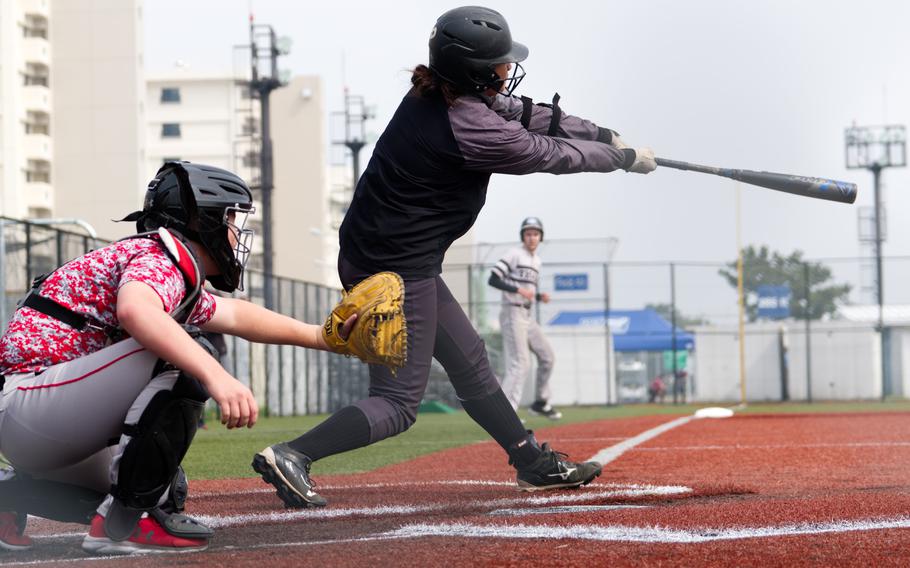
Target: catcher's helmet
(202, 203)
(467, 43)
(530, 223)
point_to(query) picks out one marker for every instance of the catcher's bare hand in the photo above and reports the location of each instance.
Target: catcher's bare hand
(236, 401)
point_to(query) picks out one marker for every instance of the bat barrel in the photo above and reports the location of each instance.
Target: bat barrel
(819, 188)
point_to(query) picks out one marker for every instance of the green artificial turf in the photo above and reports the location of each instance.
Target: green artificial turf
(219, 453)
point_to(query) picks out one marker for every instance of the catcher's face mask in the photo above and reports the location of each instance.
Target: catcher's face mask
(239, 236)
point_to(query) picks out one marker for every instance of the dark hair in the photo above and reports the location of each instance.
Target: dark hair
(427, 83)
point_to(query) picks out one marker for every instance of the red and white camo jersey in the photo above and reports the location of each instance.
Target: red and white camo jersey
(88, 285)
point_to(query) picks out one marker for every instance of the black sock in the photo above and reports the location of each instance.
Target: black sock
(495, 414)
(347, 429)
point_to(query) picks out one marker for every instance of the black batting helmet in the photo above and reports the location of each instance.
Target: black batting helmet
(468, 42)
(202, 203)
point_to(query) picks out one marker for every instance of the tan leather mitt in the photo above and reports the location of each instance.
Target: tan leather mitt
(380, 334)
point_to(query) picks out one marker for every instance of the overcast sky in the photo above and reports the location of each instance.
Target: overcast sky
(765, 85)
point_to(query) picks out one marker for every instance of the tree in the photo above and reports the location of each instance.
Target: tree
(761, 267)
(682, 321)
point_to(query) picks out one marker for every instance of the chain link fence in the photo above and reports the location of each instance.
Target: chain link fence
(824, 346)
(819, 338)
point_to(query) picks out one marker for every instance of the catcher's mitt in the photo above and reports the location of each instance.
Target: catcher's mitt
(379, 335)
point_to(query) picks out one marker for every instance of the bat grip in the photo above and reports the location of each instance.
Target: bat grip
(672, 164)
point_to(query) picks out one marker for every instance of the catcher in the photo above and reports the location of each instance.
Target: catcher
(423, 188)
(105, 369)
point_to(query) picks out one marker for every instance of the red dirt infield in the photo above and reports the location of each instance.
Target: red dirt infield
(776, 490)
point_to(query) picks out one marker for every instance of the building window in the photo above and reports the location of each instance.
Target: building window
(38, 171)
(35, 26)
(170, 130)
(36, 74)
(170, 95)
(37, 123)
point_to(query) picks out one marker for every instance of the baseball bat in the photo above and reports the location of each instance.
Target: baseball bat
(819, 188)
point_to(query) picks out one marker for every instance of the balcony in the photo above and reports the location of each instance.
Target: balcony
(36, 50)
(39, 195)
(36, 7)
(37, 98)
(38, 147)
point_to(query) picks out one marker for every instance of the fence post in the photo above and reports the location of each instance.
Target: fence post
(28, 254)
(673, 333)
(607, 341)
(808, 317)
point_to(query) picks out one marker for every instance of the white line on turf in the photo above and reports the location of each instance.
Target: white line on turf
(617, 490)
(607, 455)
(777, 446)
(641, 534)
(616, 533)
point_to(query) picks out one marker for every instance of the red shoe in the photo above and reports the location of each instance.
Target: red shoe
(149, 536)
(12, 532)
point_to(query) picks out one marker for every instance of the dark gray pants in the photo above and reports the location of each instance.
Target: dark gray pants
(437, 328)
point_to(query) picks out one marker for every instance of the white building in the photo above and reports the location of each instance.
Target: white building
(70, 109)
(25, 109)
(97, 84)
(212, 119)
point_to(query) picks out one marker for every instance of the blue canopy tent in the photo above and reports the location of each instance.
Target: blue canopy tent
(632, 330)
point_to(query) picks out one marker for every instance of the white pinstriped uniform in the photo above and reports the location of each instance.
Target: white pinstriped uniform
(521, 334)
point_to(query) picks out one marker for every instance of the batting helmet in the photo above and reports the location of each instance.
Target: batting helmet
(467, 43)
(202, 203)
(530, 223)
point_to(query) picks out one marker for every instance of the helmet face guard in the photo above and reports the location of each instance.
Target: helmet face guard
(224, 235)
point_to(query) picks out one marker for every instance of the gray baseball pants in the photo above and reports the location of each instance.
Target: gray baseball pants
(60, 424)
(522, 335)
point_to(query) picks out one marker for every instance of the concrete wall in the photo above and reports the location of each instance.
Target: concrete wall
(305, 246)
(845, 363)
(98, 111)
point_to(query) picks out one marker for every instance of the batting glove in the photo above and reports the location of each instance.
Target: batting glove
(644, 161)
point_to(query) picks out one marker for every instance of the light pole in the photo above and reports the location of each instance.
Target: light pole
(264, 45)
(356, 113)
(875, 148)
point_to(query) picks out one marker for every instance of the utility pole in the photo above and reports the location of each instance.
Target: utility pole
(356, 113)
(875, 148)
(264, 51)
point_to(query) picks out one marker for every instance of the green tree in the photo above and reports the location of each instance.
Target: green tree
(682, 321)
(764, 267)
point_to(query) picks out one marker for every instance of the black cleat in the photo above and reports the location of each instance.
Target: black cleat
(552, 471)
(289, 472)
(541, 408)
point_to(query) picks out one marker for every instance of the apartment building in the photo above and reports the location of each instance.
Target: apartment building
(26, 149)
(70, 109)
(214, 119)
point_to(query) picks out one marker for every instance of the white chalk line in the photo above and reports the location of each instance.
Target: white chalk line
(776, 446)
(270, 489)
(600, 491)
(616, 533)
(588, 494)
(658, 535)
(607, 455)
